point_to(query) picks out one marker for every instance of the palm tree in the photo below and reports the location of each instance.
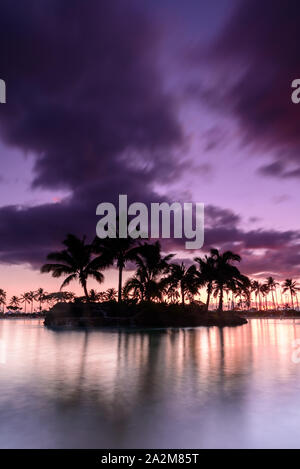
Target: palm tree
(264, 290)
(207, 273)
(172, 294)
(14, 302)
(25, 298)
(184, 278)
(224, 271)
(2, 298)
(76, 261)
(272, 284)
(31, 296)
(117, 249)
(255, 287)
(39, 296)
(94, 295)
(136, 286)
(111, 294)
(151, 264)
(291, 286)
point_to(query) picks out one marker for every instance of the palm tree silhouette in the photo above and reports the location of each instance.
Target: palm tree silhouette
(117, 249)
(14, 302)
(255, 287)
(94, 295)
(272, 284)
(184, 278)
(25, 298)
(291, 286)
(151, 264)
(39, 296)
(111, 294)
(207, 274)
(224, 271)
(2, 298)
(76, 261)
(264, 290)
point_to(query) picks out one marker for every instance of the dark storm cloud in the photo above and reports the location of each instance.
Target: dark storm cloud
(254, 61)
(85, 97)
(83, 88)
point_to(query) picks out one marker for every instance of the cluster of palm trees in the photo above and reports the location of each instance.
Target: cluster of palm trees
(26, 300)
(158, 277)
(263, 290)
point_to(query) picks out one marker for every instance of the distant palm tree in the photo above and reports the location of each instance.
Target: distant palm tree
(25, 298)
(76, 261)
(111, 294)
(264, 290)
(31, 296)
(39, 296)
(272, 284)
(2, 298)
(121, 250)
(14, 302)
(291, 286)
(184, 278)
(255, 287)
(94, 295)
(172, 294)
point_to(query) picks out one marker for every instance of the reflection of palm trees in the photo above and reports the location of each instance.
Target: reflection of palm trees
(76, 261)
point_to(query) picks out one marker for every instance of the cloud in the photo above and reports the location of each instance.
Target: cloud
(83, 89)
(252, 64)
(86, 99)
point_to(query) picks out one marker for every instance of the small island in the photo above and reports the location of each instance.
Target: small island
(138, 315)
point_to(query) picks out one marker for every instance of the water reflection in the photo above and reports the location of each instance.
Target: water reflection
(232, 387)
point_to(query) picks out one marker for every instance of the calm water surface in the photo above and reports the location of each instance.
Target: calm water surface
(191, 388)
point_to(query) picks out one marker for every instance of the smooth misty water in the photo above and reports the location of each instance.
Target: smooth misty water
(236, 387)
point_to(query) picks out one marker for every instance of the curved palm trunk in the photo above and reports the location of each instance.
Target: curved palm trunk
(120, 284)
(84, 286)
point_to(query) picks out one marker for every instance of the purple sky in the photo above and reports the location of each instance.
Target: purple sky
(156, 99)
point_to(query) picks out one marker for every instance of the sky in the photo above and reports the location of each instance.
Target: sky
(160, 100)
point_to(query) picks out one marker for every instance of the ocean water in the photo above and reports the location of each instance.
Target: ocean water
(188, 388)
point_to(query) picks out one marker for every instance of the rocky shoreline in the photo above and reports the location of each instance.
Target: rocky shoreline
(142, 315)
